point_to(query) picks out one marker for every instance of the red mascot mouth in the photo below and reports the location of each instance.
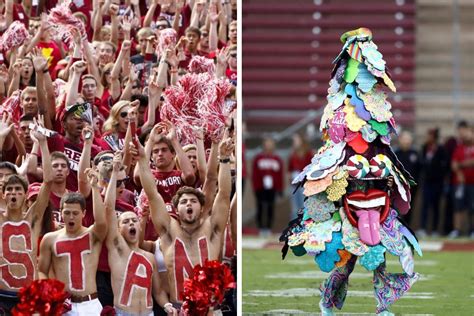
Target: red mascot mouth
(366, 210)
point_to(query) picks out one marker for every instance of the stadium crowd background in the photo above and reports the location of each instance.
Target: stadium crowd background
(427, 44)
(90, 69)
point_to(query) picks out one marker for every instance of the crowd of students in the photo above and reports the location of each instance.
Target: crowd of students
(101, 189)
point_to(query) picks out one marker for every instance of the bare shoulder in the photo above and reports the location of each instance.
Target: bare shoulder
(50, 237)
(146, 254)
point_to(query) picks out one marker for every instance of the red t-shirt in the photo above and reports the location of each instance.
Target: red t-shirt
(51, 52)
(297, 163)
(267, 172)
(462, 153)
(73, 152)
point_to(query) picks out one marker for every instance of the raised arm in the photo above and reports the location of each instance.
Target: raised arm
(15, 77)
(150, 13)
(201, 153)
(159, 215)
(113, 11)
(100, 223)
(85, 161)
(40, 65)
(110, 197)
(43, 83)
(91, 62)
(73, 94)
(115, 73)
(177, 15)
(5, 128)
(210, 184)
(38, 208)
(233, 220)
(154, 94)
(44, 260)
(221, 207)
(214, 18)
(187, 170)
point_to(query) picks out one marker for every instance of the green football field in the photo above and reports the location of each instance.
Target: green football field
(275, 287)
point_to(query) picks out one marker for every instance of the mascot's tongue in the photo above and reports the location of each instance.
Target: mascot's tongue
(369, 226)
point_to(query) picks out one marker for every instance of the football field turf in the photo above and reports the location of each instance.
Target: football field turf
(275, 287)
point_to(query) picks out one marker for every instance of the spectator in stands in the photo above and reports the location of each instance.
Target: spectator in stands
(86, 86)
(434, 162)
(267, 179)
(462, 165)
(300, 157)
(410, 159)
(449, 146)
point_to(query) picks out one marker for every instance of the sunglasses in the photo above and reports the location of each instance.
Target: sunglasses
(123, 114)
(123, 181)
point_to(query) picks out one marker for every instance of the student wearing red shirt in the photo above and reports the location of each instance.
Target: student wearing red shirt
(300, 157)
(462, 166)
(164, 149)
(267, 179)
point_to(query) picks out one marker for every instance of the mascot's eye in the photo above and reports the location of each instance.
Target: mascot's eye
(358, 166)
(380, 166)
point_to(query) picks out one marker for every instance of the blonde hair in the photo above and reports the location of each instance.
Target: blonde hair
(110, 125)
(103, 80)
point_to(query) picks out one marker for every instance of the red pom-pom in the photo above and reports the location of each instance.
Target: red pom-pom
(201, 64)
(63, 21)
(166, 40)
(108, 311)
(197, 100)
(12, 106)
(14, 36)
(206, 288)
(45, 297)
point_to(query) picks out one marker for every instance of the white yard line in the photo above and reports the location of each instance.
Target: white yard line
(316, 274)
(309, 292)
(418, 262)
(260, 243)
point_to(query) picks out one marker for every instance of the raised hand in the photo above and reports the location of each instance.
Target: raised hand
(222, 57)
(126, 24)
(198, 132)
(93, 177)
(76, 36)
(153, 87)
(87, 134)
(117, 162)
(226, 148)
(3, 73)
(5, 125)
(213, 14)
(133, 111)
(126, 45)
(113, 9)
(39, 62)
(170, 129)
(35, 134)
(17, 66)
(79, 67)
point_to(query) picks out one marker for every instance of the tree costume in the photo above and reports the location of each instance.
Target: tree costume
(355, 187)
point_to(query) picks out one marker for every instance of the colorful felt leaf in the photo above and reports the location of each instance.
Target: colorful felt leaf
(352, 70)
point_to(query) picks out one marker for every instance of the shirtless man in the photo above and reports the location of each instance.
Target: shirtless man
(73, 251)
(20, 228)
(194, 238)
(134, 271)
